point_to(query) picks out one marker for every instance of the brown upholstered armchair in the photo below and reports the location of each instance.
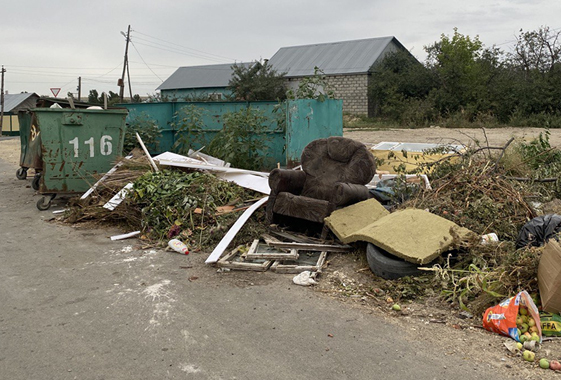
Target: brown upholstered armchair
(334, 173)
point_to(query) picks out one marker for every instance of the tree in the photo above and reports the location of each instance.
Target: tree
(454, 62)
(536, 62)
(93, 97)
(538, 50)
(258, 81)
(397, 78)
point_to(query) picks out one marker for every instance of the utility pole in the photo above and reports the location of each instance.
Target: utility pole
(129, 79)
(79, 87)
(121, 81)
(2, 101)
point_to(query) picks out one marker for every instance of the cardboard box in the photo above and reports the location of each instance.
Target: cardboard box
(549, 277)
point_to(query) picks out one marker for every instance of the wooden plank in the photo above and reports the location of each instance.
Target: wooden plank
(270, 239)
(251, 249)
(292, 255)
(279, 267)
(313, 247)
(231, 254)
(295, 237)
(148, 156)
(228, 261)
(246, 266)
(227, 239)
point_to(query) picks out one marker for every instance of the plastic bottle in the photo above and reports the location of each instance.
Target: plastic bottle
(178, 246)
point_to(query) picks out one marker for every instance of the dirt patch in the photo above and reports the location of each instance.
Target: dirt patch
(10, 150)
(495, 136)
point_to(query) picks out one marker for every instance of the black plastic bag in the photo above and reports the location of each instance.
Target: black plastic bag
(539, 230)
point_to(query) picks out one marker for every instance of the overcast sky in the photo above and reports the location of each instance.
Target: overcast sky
(50, 44)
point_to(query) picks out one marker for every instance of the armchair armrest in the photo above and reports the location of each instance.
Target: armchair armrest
(349, 193)
(285, 180)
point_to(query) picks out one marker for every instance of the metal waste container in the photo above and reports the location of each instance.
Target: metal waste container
(30, 154)
(76, 145)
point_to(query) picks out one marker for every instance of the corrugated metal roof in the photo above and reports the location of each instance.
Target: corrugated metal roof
(12, 101)
(200, 76)
(346, 57)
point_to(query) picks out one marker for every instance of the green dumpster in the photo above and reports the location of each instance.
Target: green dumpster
(30, 154)
(76, 145)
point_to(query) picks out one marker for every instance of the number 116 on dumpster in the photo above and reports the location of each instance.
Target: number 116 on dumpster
(105, 145)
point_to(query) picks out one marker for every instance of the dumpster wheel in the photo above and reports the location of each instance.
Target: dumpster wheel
(45, 202)
(36, 181)
(21, 173)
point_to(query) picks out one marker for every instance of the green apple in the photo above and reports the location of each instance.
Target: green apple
(529, 356)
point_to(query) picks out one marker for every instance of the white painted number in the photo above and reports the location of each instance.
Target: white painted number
(90, 142)
(106, 147)
(74, 141)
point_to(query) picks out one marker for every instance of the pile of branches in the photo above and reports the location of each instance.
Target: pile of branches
(474, 193)
(482, 190)
(169, 204)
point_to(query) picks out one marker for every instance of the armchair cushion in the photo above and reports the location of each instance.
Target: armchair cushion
(281, 180)
(296, 206)
(346, 194)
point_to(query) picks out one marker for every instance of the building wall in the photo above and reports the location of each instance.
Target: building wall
(352, 89)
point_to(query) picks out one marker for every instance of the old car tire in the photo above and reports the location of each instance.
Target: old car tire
(388, 266)
(21, 173)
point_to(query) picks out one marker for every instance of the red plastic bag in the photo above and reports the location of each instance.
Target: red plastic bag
(502, 317)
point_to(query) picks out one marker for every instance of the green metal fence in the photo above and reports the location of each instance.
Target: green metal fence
(306, 120)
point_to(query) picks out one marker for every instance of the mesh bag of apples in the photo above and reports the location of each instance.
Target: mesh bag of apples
(517, 317)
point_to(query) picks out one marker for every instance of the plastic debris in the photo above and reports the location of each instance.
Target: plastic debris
(178, 246)
(305, 279)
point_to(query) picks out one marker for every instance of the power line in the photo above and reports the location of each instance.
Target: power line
(156, 64)
(186, 47)
(62, 67)
(158, 45)
(134, 46)
(177, 51)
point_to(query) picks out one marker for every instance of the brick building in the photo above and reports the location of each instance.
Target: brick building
(347, 66)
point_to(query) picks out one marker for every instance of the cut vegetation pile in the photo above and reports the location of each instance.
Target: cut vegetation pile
(489, 190)
(196, 207)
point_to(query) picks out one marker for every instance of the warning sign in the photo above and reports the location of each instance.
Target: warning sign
(55, 91)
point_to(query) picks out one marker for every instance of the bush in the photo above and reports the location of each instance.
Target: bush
(243, 140)
(148, 130)
(188, 122)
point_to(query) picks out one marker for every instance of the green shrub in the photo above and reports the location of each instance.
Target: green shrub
(188, 123)
(148, 130)
(243, 140)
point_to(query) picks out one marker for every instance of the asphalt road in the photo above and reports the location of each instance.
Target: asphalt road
(75, 305)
